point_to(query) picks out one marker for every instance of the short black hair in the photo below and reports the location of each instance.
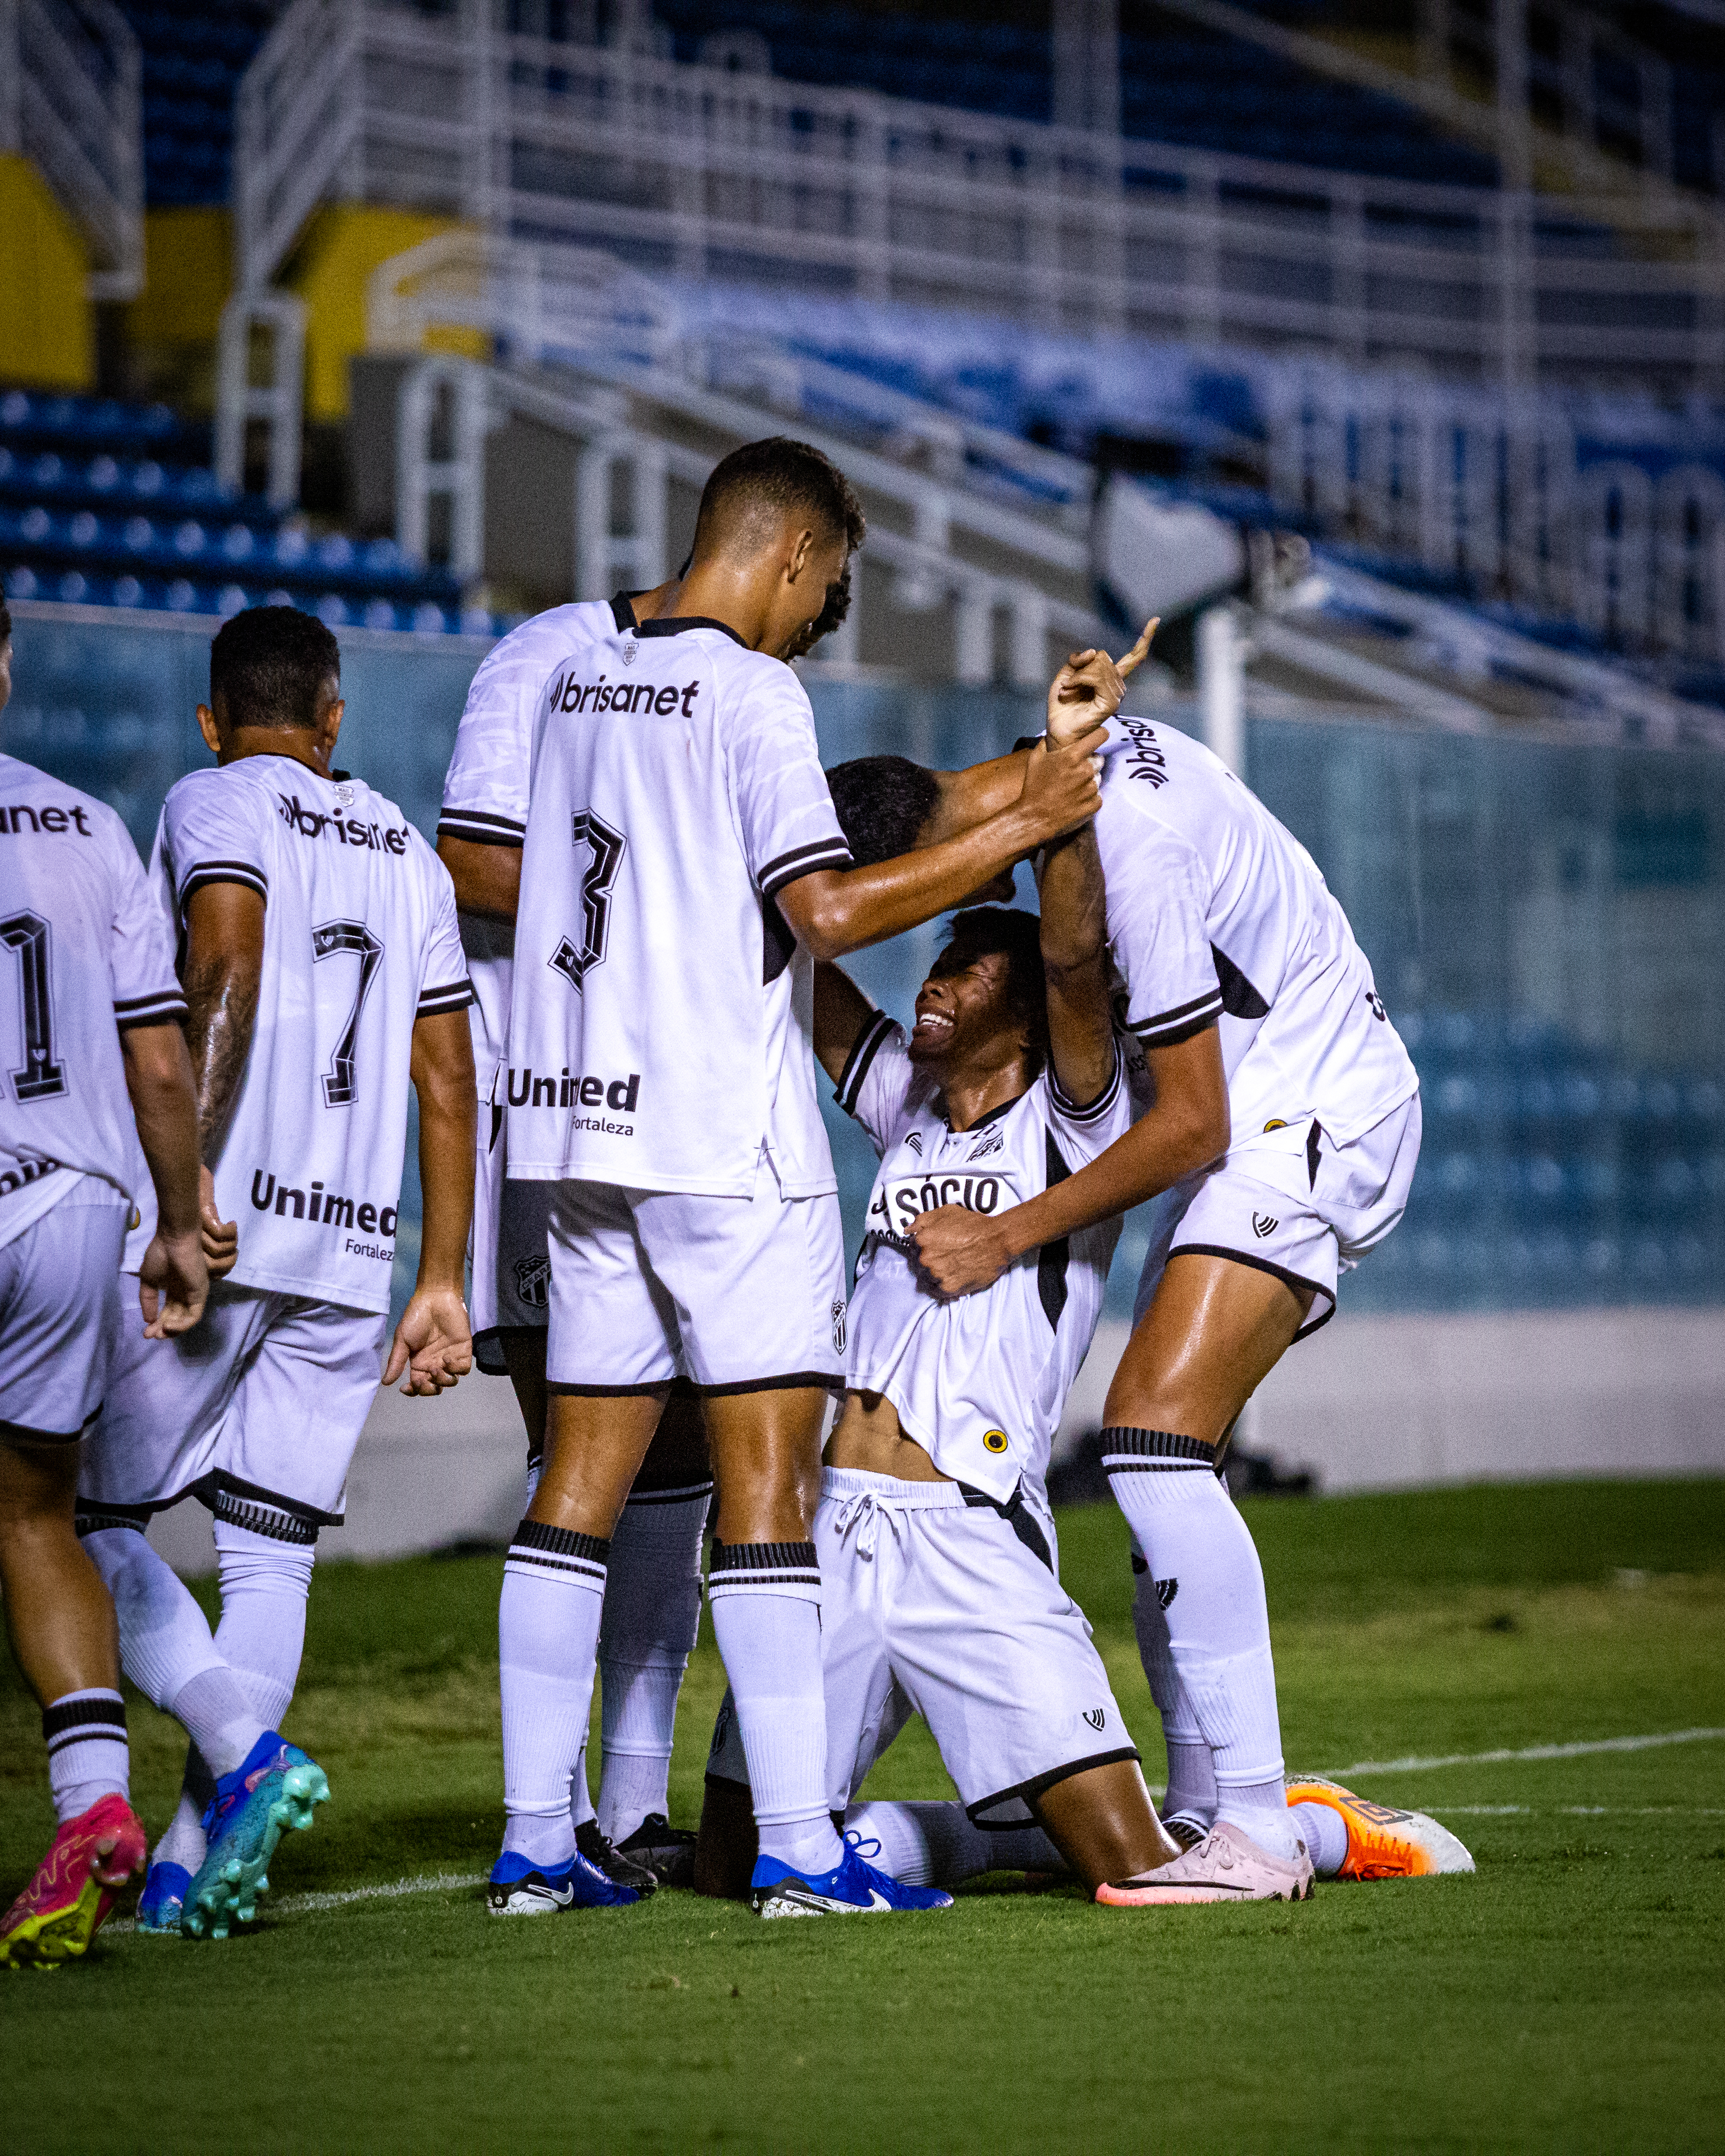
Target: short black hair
(271, 665)
(773, 478)
(978, 931)
(883, 803)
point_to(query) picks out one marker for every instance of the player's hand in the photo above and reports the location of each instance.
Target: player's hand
(173, 1285)
(961, 1252)
(221, 1238)
(433, 1343)
(1062, 789)
(1090, 688)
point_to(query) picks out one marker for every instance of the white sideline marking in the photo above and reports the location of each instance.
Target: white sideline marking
(302, 1905)
(1411, 1766)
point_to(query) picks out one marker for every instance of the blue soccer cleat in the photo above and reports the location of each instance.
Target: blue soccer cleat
(163, 1900)
(276, 1787)
(519, 1887)
(850, 1889)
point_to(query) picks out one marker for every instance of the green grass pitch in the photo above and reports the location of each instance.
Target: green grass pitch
(1570, 1996)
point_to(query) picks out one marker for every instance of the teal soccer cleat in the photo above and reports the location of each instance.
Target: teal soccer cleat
(275, 1789)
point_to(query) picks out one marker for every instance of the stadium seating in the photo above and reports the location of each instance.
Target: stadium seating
(87, 520)
(193, 58)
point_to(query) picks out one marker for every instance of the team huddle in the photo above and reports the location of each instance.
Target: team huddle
(610, 990)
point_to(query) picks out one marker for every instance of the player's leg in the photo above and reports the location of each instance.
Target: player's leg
(1213, 1330)
(58, 1304)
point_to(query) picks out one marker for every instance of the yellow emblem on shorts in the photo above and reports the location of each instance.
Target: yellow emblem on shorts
(994, 1440)
(1276, 1123)
(136, 1221)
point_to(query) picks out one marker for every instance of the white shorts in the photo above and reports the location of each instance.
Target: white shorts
(931, 1604)
(1292, 1204)
(256, 1411)
(508, 1254)
(735, 1293)
(60, 1289)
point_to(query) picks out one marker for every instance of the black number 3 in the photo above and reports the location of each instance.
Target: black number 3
(41, 1079)
(340, 1084)
(607, 847)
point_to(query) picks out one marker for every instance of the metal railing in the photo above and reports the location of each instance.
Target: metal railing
(70, 101)
(706, 172)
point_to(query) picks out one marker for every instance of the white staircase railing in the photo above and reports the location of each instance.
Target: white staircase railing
(70, 101)
(711, 172)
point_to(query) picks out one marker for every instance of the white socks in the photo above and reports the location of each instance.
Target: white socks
(652, 1614)
(766, 1601)
(87, 1754)
(1210, 1588)
(1325, 1835)
(167, 1650)
(265, 1582)
(547, 1639)
(1191, 1795)
(933, 1843)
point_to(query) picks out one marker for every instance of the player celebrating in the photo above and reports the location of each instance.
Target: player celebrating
(91, 1018)
(682, 865)
(1279, 1127)
(323, 970)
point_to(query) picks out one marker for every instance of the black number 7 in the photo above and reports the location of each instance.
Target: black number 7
(41, 1078)
(340, 1084)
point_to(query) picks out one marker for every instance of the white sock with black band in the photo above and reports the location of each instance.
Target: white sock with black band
(88, 1758)
(1212, 1597)
(547, 1642)
(1190, 1797)
(766, 1604)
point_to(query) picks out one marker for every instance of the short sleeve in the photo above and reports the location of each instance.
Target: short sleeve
(1157, 925)
(210, 833)
(486, 788)
(790, 828)
(145, 991)
(443, 984)
(875, 1083)
(1087, 1128)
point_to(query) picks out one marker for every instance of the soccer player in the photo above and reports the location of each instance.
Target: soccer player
(323, 970)
(682, 868)
(1279, 1128)
(90, 1013)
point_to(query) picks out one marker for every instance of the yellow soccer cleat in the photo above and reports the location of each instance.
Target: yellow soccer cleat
(1383, 1843)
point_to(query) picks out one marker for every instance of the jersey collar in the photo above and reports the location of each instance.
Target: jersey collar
(983, 1122)
(623, 612)
(674, 625)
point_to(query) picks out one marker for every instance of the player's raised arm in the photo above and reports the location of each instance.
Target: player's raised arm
(433, 1343)
(1075, 964)
(173, 1280)
(835, 911)
(841, 1011)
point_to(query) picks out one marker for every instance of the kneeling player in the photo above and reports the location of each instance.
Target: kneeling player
(323, 969)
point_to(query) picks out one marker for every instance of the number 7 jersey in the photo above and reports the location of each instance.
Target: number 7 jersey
(360, 939)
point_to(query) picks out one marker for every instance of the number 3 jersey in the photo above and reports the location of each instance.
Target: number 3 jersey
(662, 1015)
(979, 1381)
(360, 939)
(83, 954)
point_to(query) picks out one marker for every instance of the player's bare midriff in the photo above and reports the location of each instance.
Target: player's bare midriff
(867, 1437)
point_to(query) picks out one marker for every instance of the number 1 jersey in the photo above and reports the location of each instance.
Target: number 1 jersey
(360, 939)
(83, 954)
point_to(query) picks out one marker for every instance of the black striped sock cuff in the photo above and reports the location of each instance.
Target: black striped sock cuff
(267, 1520)
(97, 1715)
(1129, 1451)
(560, 1549)
(739, 1565)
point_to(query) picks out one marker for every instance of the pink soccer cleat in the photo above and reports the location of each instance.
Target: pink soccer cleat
(1227, 1866)
(89, 1861)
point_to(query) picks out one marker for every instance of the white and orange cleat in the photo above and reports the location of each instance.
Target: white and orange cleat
(1383, 1843)
(92, 1858)
(1227, 1866)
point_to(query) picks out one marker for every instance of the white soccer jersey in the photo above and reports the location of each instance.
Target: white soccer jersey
(83, 954)
(661, 1020)
(486, 791)
(360, 939)
(979, 1381)
(1217, 913)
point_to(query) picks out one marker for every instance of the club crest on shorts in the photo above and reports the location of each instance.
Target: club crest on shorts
(1166, 1590)
(532, 1281)
(1263, 1225)
(1095, 1715)
(838, 1328)
(994, 1440)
